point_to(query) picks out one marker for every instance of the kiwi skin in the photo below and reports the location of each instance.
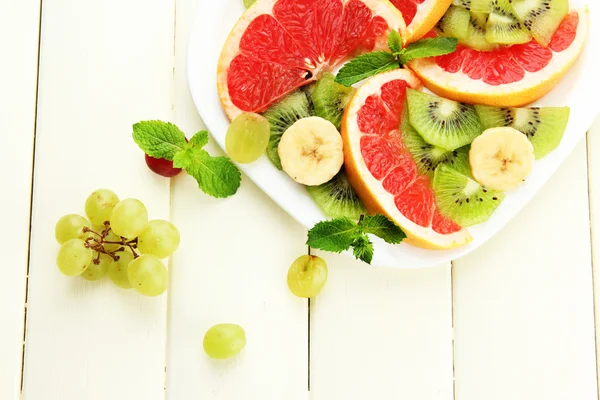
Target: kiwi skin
(461, 199)
(337, 198)
(329, 99)
(281, 116)
(544, 127)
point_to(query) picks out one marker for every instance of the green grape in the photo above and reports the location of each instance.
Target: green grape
(98, 271)
(129, 218)
(159, 238)
(99, 205)
(224, 341)
(71, 227)
(117, 271)
(148, 275)
(307, 276)
(248, 3)
(73, 257)
(247, 137)
(110, 237)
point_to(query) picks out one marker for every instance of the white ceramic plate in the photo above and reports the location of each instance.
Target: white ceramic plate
(578, 90)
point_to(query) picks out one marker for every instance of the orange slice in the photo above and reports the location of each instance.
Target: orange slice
(421, 16)
(382, 170)
(280, 45)
(508, 76)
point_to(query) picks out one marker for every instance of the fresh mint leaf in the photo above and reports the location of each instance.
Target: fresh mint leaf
(159, 139)
(335, 235)
(340, 234)
(366, 65)
(394, 41)
(200, 139)
(216, 176)
(429, 47)
(363, 249)
(382, 226)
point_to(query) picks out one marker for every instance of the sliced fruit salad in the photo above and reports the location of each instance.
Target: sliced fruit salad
(435, 164)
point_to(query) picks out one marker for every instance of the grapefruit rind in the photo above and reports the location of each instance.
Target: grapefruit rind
(460, 87)
(370, 190)
(428, 14)
(230, 50)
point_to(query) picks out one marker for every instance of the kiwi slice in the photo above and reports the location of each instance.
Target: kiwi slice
(474, 5)
(462, 199)
(329, 99)
(541, 17)
(503, 25)
(455, 23)
(441, 122)
(544, 127)
(428, 157)
(337, 198)
(476, 34)
(281, 116)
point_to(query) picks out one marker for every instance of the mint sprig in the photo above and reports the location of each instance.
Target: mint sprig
(369, 64)
(341, 234)
(216, 176)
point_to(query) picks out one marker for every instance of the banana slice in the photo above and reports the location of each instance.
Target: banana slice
(501, 158)
(311, 151)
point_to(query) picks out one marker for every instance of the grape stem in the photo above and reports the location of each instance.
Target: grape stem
(98, 243)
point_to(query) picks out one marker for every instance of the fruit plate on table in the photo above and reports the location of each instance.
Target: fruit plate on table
(212, 27)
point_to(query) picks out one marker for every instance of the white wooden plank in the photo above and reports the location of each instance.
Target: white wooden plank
(19, 32)
(523, 306)
(104, 66)
(381, 333)
(231, 267)
(593, 141)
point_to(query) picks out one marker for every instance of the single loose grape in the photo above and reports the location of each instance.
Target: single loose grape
(224, 341)
(99, 205)
(247, 137)
(307, 276)
(147, 275)
(71, 227)
(129, 218)
(117, 271)
(161, 166)
(98, 271)
(73, 257)
(160, 238)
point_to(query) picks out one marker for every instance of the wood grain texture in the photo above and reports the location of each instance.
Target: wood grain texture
(523, 306)
(104, 66)
(593, 142)
(381, 333)
(19, 32)
(231, 267)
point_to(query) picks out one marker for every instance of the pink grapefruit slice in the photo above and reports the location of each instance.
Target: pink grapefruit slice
(421, 16)
(381, 168)
(280, 45)
(508, 76)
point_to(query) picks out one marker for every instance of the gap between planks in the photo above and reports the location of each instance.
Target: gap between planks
(595, 295)
(35, 113)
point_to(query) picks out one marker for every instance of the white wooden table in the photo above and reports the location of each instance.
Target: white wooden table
(514, 320)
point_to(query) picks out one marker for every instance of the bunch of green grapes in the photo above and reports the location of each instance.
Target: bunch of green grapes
(116, 240)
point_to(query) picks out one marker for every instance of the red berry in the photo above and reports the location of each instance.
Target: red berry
(162, 166)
